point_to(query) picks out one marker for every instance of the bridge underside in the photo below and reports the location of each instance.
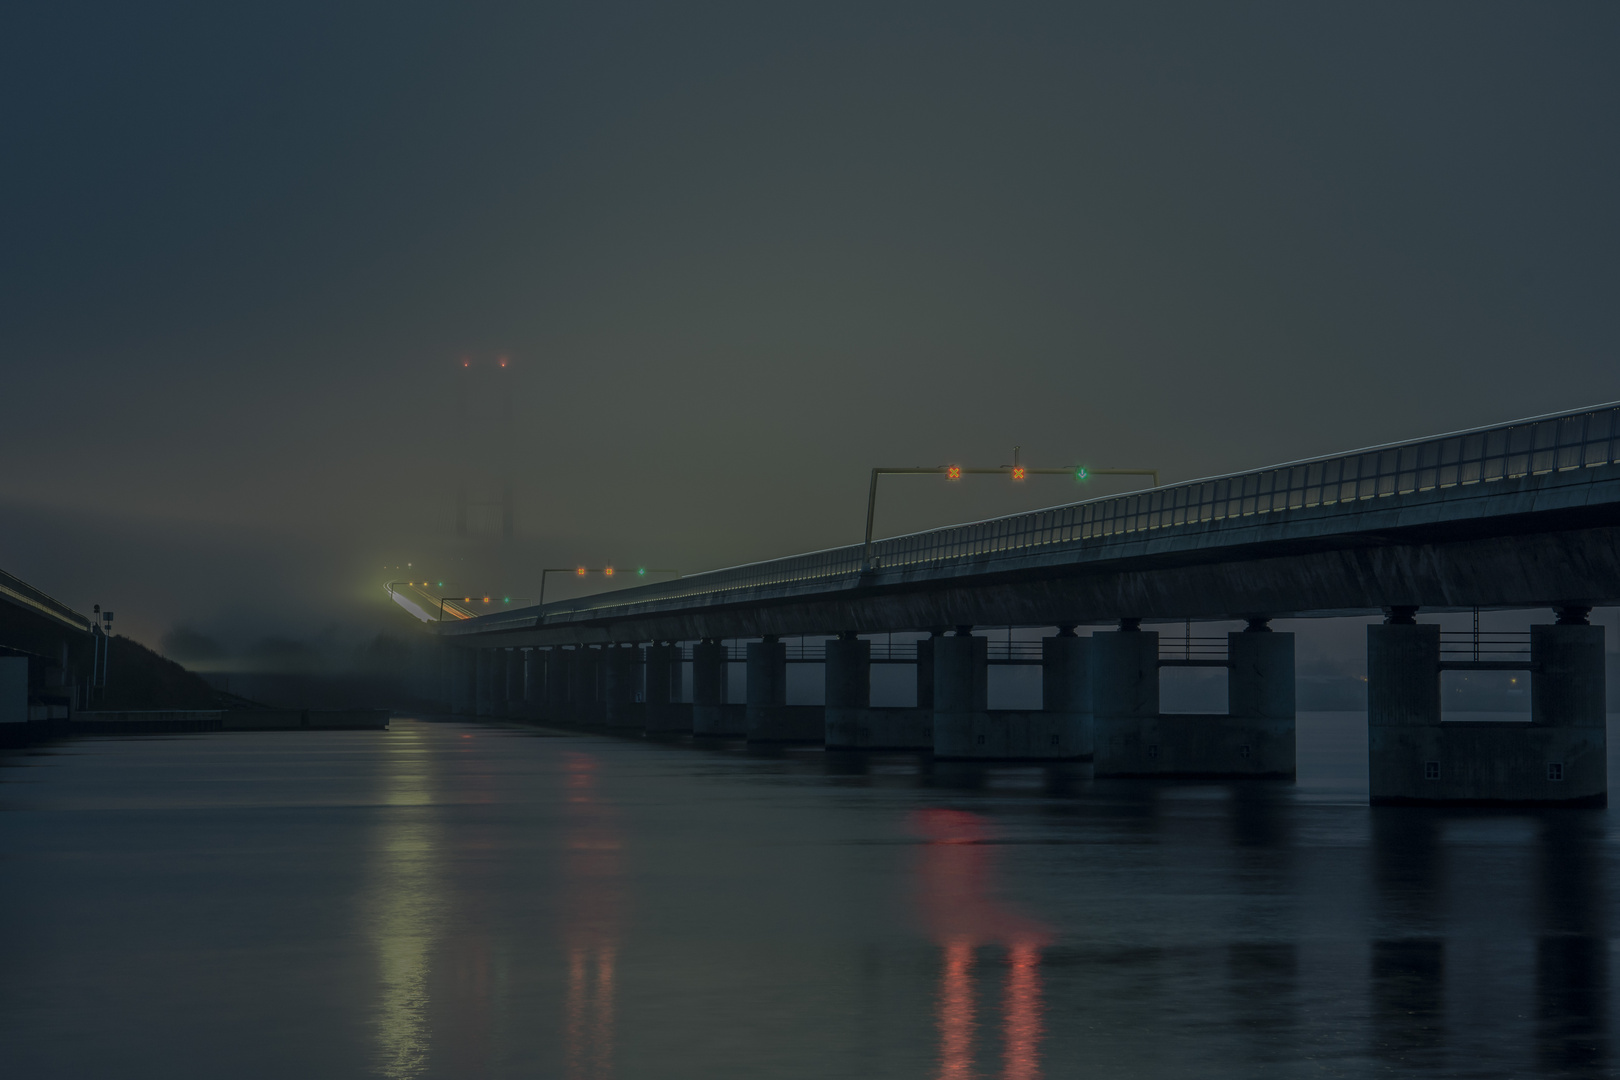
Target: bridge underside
(1430, 569)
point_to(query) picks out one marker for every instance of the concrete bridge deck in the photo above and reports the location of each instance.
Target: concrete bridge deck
(1525, 514)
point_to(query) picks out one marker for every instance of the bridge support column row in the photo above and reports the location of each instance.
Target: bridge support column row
(1559, 756)
(1254, 738)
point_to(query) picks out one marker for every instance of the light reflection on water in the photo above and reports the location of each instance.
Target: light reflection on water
(956, 893)
(405, 904)
(591, 875)
(451, 900)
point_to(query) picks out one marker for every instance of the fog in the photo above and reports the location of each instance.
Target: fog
(736, 256)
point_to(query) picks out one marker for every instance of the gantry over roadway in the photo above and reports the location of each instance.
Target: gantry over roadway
(1519, 515)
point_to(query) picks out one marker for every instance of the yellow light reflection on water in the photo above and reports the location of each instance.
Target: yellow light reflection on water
(404, 904)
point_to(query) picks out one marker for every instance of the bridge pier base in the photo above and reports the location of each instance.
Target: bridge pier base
(851, 721)
(621, 711)
(770, 718)
(1559, 756)
(712, 715)
(664, 715)
(966, 728)
(1133, 738)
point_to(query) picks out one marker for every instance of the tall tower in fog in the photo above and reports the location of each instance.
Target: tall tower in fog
(485, 501)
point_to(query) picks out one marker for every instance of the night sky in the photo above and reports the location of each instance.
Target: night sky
(736, 256)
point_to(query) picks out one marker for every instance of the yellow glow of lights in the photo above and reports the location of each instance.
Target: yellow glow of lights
(608, 571)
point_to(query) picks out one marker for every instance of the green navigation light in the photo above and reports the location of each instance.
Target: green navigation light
(641, 572)
(1082, 473)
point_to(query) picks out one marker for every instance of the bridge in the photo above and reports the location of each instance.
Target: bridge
(1513, 516)
(47, 655)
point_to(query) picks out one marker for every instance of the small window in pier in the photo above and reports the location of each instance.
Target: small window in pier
(1431, 770)
(1243, 752)
(1153, 752)
(1555, 770)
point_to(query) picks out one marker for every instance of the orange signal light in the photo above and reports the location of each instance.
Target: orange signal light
(466, 600)
(580, 571)
(1018, 472)
(953, 472)
(608, 572)
(486, 599)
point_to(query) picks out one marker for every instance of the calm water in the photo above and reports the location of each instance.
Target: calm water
(460, 901)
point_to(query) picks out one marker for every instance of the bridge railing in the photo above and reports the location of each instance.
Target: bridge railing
(20, 592)
(1556, 443)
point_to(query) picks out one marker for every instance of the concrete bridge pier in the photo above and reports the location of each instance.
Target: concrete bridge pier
(484, 694)
(965, 727)
(847, 694)
(1254, 738)
(770, 718)
(925, 675)
(664, 715)
(513, 697)
(620, 671)
(462, 678)
(534, 683)
(1125, 700)
(712, 715)
(559, 680)
(1066, 693)
(1260, 713)
(851, 721)
(961, 695)
(1560, 756)
(584, 695)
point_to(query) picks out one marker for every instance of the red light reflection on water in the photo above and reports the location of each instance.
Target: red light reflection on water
(955, 877)
(592, 870)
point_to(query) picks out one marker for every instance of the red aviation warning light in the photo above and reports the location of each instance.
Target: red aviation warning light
(953, 472)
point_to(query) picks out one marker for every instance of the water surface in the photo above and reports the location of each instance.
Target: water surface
(456, 900)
